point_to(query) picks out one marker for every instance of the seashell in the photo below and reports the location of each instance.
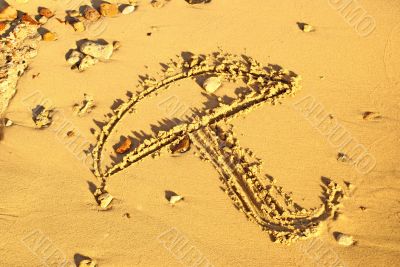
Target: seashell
(44, 11)
(108, 10)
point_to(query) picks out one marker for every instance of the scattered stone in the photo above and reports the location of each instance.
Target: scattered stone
(372, 116)
(70, 133)
(109, 10)
(91, 14)
(49, 36)
(198, 1)
(212, 84)
(75, 57)
(42, 116)
(127, 9)
(306, 27)
(105, 200)
(87, 62)
(116, 45)
(43, 20)
(79, 26)
(175, 199)
(87, 263)
(8, 13)
(29, 19)
(3, 25)
(124, 147)
(85, 107)
(363, 208)
(157, 3)
(344, 240)
(74, 13)
(44, 11)
(343, 157)
(183, 145)
(8, 122)
(96, 50)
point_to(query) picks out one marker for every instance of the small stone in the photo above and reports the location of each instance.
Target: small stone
(49, 36)
(87, 62)
(8, 122)
(44, 11)
(87, 263)
(198, 1)
(306, 27)
(108, 10)
(343, 157)
(74, 57)
(43, 20)
(175, 199)
(116, 45)
(96, 50)
(372, 116)
(74, 13)
(212, 84)
(42, 116)
(29, 19)
(91, 14)
(157, 3)
(79, 26)
(127, 9)
(105, 200)
(8, 13)
(344, 240)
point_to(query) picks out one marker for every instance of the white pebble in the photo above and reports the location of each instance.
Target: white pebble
(128, 9)
(212, 84)
(97, 50)
(344, 240)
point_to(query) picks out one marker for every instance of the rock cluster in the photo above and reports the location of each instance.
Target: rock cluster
(90, 52)
(18, 44)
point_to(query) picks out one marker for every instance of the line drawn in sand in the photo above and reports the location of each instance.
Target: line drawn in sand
(258, 197)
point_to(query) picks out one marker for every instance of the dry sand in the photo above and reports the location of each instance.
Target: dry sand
(48, 211)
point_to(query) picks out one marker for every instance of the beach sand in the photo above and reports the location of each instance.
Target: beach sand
(48, 212)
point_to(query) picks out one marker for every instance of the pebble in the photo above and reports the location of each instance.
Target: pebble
(49, 36)
(307, 28)
(87, 263)
(44, 11)
(8, 13)
(344, 240)
(105, 200)
(116, 45)
(91, 14)
(87, 62)
(74, 57)
(128, 9)
(212, 84)
(175, 199)
(3, 25)
(74, 13)
(108, 10)
(79, 26)
(43, 20)
(97, 50)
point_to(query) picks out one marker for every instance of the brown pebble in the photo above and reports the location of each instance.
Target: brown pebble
(44, 11)
(29, 19)
(109, 10)
(91, 14)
